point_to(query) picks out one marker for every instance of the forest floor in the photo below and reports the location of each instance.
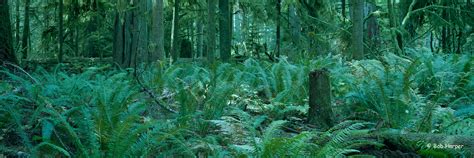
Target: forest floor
(397, 106)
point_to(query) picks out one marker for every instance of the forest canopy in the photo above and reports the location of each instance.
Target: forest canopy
(236, 78)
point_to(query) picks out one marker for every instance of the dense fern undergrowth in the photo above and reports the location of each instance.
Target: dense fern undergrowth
(249, 109)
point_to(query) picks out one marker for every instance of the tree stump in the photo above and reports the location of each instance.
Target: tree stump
(320, 112)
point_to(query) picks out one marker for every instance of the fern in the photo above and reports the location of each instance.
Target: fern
(343, 139)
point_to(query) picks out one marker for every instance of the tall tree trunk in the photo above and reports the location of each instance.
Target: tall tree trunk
(174, 53)
(392, 24)
(125, 35)
(295, 24)
(357, 9)
(211, 30)
(278, 23)
(343, 9)
(26, 31)
(134, 35)
(158, 52)
(390, 13)
(231, 22)
(17, 25)
(373, 33)
(200, 38)
(76, 13)
(6, 49)
(244, 30)
(142, 53)
(224, 30)
(60, 34)
(118, 46)
(127, 38)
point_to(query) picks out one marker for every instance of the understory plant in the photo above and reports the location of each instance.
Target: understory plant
(254, 108)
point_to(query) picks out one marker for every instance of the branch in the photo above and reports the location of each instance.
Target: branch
(409, 13)
(153, 95)
(26, 73)
(462, 142)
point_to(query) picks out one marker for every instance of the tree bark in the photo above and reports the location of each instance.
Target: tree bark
(373, 32)
(320, 111)
(343, 9)
(134, 35)
(118, 47)
(211, 30)
(224, 30)
(278, 39)
(26, 31)
(231, 22)
(391, 21)
(158, 52)
(357, 8)
(127, 39)
(174, 53)
(6, 48)
(142, 53)
(17, 25)
(60, 34)
(200, 39)
(76, 12)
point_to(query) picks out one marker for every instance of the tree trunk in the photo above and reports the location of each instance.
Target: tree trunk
(278, 40)
(26, 31)
(6, 49)
(76, 13)
(127, 36)
(174, 53)
(357, 9)
(17, 25)
(343, 9)
(134, 35)
(320, 111)
(142, 53)
(224, 30)
(118, 46)
(211, 30)
(391, 21)
(60, 34)
(200, 38)
(158, 52)
(295, 24)
(295, 30)
(373, 32)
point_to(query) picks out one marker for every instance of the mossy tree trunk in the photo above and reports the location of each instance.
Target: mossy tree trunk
(26, 31)
(126, 35)
(357, 9)
(320, 112)
(278, 23)
(224, 30)
(211, 29)
(75, 19)
(60, 34)
(158, 52)
(17, 23)
(175, 41)
(6, 48)
(343, 9)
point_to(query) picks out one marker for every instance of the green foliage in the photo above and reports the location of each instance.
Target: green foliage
(231, 110)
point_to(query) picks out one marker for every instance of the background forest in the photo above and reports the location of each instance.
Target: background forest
(236, 78)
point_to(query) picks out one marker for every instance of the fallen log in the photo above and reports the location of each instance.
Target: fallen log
(428, 140)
